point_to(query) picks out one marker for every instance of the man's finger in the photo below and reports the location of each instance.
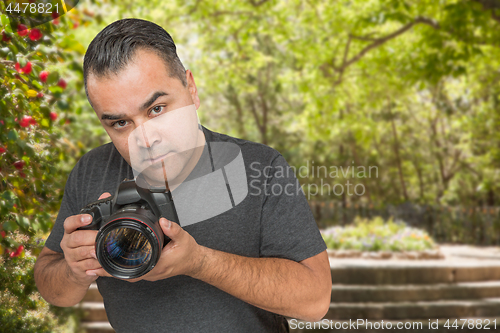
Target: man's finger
(105, 195)
(85, 252)
(171, 229)
(81, 238)
(76, 221)
(98, 272)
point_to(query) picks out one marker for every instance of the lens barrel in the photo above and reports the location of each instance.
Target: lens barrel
(130, 244)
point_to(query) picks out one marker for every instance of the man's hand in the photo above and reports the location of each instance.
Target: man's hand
(181, 256)
(79, 248)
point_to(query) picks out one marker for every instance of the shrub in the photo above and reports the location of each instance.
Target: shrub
(377, 235)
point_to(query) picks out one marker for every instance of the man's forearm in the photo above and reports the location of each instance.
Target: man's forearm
(55, 283)
(277, 285)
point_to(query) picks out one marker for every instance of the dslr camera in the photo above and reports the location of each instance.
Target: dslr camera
(130, 239)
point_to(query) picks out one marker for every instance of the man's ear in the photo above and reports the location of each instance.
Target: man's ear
(191, 85)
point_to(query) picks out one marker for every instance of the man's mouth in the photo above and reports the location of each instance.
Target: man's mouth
(154, 160)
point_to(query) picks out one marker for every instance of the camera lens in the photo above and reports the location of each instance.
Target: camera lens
(127, 247)
(130, 244)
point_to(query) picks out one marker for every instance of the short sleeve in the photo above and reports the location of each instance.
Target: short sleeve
(288, 228)
(67, 209)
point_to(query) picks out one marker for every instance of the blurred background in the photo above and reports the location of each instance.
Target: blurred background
(385, 109)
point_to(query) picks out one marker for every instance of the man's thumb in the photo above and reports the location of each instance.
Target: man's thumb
(170, 229)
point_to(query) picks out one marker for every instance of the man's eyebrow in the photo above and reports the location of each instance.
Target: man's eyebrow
(112, 116)
(152, 99)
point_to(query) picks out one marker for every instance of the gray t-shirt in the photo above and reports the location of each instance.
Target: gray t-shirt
(267, 223)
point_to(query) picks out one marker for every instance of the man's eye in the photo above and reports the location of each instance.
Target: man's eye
(156, 110)
(119, 124)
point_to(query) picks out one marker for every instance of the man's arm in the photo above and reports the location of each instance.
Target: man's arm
(61, 278)
(294, 289)
(55, 282)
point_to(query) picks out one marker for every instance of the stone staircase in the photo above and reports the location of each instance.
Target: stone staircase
(388, 291)
(393, 291)
(94, 316)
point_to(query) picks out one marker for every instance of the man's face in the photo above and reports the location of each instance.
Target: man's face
(141, 92)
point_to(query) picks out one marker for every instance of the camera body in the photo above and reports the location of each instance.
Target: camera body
(130, 239)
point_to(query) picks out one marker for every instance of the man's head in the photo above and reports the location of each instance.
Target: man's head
(115, 46)
(133, 75)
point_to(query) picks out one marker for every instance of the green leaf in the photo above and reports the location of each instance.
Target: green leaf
(63, 105)
(5, 20)
(12, 136)
(24, 222)
(13, 48)
(36, 84)
(10, 226)
(56, 89)
(11, 57)
(8, 195)
(53, 78)
(8, 28)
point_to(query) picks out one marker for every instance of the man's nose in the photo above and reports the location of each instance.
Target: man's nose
(146, 136)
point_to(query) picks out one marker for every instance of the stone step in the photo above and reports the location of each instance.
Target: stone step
(414, 292)
(93, 311)
(93, 294)
(415, 310)
(420, 326)
(97, 327)
(370, 272)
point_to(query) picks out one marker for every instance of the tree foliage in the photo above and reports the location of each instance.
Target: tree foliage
(408, 86)
(36, 114)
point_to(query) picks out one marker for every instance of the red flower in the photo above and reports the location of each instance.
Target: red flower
(55, 15)
(53, 116)
(17, 252)
(2, 150)
(22, 30)
(35, 34)
(2, 233)
(19, 165)
(5, 37)
(62, 83)
(33, 122)
(39, 95)
(25, 70)
(56, 21)
(25, 121)
(43, 76)
(22, 174)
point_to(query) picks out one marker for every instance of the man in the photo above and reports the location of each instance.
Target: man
(240, 271)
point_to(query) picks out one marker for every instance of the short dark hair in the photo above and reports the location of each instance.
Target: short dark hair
(115, 46)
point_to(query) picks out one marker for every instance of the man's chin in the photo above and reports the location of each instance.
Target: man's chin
(155, 176)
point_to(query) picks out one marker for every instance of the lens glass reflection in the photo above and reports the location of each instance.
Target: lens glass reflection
(127, 248)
